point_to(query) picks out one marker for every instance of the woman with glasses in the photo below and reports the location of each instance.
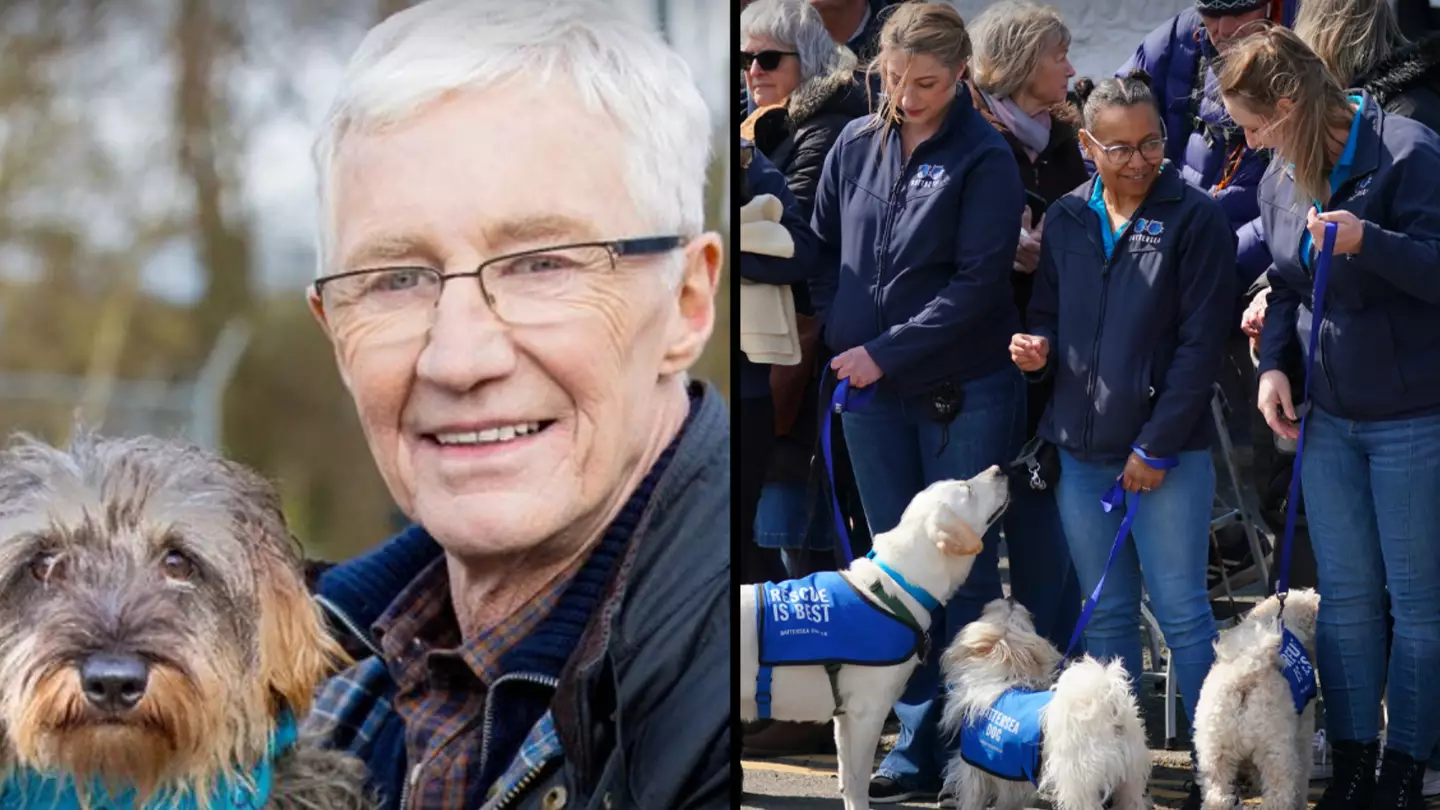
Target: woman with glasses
(1129, 316)
(1371, 457)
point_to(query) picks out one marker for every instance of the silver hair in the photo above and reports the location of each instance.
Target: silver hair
(616, 65)
(1011, 38)
(796, 24)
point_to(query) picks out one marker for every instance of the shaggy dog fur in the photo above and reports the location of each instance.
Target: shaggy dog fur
(177, 564)
(1094, 740)
(934, 548)
(1245, 714)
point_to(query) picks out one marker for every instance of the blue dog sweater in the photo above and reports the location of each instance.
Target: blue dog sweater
(28, 788)
(1005, 742)
(825, 620)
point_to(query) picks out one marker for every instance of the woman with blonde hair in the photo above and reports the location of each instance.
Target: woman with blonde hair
(919, 210)
(1020, 82)
(1361, 42)
(1371, 454)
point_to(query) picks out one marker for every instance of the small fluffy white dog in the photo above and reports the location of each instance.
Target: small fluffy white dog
(933, 548)
(1093, 743)
(1245, 714)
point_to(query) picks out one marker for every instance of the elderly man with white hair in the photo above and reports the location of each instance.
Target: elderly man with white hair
(515, 276)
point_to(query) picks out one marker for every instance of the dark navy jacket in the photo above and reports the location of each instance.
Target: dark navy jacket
(764, 178)
(1135, 342)
(915, 257)
(1380, 338)
(1200, 137)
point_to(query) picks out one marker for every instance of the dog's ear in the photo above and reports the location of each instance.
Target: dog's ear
(297, 652)
(951, 534)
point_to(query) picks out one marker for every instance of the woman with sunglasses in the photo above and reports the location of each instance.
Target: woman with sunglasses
(806, 85)
(1371, 457)
(1129, 316)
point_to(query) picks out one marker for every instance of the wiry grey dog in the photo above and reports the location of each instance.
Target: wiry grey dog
(155, 630)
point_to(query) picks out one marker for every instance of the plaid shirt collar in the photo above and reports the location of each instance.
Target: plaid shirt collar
(419, 630)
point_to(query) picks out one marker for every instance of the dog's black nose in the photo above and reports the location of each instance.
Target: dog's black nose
(114, 681)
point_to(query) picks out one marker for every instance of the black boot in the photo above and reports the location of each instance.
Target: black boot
(1398, 787)
(1352, 785)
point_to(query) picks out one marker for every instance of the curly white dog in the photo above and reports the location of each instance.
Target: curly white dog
(930, 555)
(1246, 714)
(1093, 740)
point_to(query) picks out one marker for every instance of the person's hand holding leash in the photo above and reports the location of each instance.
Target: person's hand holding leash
(1349, 230)
(1029, 352)
(856, 366)
(1275, 403)
(1140, 477)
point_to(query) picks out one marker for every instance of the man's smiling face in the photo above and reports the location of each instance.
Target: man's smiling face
(496, 436)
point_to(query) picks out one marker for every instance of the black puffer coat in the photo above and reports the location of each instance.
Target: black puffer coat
(1408, 83)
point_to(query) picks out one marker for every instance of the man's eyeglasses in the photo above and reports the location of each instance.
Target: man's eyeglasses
(1153, 151)
(768, 60)
(534, 287)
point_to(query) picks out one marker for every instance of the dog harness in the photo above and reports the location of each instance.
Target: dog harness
(29, 788)
(825, 620)
(1006, 741)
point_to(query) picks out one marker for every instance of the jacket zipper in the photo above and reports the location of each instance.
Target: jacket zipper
(334, 610)
(891, 214)
(542, 680)
(1314, 306)
(415, 770)
(1100, 325)
(523, 784)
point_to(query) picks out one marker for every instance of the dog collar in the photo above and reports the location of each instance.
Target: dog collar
(925, 599)
(27, 787)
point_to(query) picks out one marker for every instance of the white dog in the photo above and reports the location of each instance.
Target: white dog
(932, 550)
(1246, 714)
(1093, 740)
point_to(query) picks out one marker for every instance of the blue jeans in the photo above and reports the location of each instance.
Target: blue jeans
(1372, 495)
(790, 519)
(1167, 552)
(896, 453)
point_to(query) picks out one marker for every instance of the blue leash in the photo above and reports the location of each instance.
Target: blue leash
(1317, 312)
(1295, 664)
(1110, 501)
(840, 402)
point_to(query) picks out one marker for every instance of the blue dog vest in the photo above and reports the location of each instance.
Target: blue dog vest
(824, 620)
(1005, 742)
(1298, 671)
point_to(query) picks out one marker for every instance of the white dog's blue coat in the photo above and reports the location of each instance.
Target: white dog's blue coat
(1298, 671)
(1006, 741)
(824, 620)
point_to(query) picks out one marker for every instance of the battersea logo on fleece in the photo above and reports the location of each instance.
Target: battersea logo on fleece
(822, 619)
(1006, 741)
